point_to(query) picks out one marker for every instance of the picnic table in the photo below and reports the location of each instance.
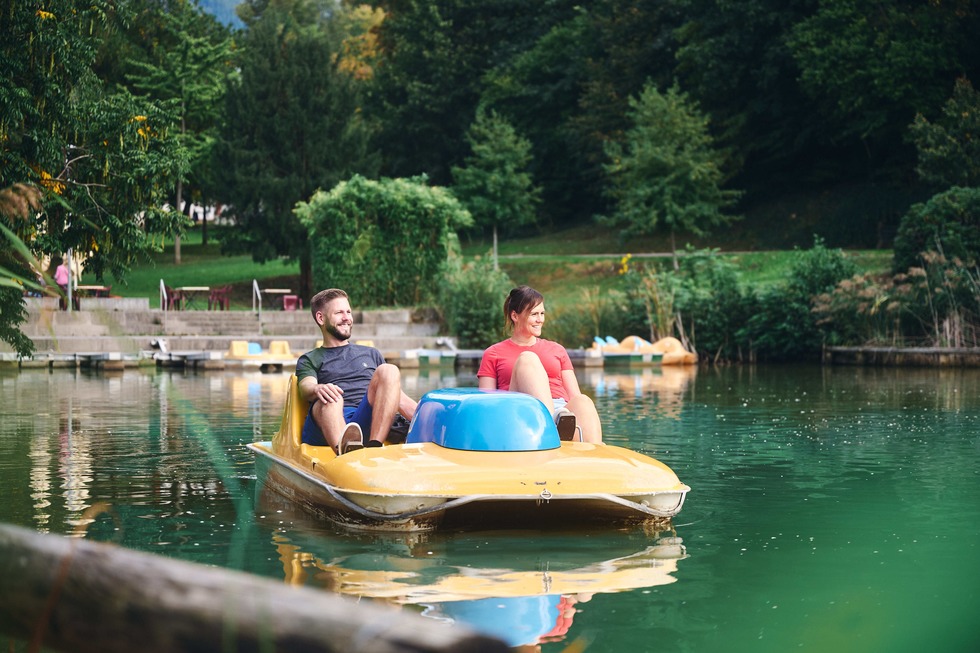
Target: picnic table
(277, 296)
(93, 291)
(191, 293)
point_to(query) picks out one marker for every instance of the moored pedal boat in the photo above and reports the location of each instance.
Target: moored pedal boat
(471, 458)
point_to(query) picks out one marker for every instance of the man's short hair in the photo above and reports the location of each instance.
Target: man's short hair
(324, 297)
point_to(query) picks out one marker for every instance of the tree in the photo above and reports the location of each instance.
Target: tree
(746, 79)
(869, 68)
(188, 64)
(435, 56)
(667, 173)
(494, 184)
(949, 148)
(104, 159)
(293, 126)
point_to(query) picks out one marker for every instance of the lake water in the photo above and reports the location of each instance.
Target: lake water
(832, 509)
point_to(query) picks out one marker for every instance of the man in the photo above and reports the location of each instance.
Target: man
(350, 388)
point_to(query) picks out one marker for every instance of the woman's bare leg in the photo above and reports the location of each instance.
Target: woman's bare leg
(586, 417)
(530, 378)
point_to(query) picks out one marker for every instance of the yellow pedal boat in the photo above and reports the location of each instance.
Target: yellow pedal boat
(472, 458)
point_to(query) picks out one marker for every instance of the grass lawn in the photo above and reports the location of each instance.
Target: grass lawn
(565, 279)
(202, 265)
(563, 265)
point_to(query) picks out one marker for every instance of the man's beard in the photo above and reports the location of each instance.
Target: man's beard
(335, 332)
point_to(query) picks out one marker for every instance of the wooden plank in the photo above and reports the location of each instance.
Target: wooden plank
(71, 594)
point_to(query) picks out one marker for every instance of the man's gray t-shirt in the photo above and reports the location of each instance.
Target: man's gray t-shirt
(349, 366)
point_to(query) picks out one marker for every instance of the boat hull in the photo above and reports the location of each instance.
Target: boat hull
(398, 509)
(466, 463)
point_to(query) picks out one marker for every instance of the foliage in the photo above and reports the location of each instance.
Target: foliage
(746, 79)
(707, 305)
(949, 148)
(818, 270)
(869, 72)
(188, 60)
(293, 126)
(18, 268)
(782, 326)
(667, 174)
(711, 305)
(471, 297)
(934, 304)
(858, 311)
(383, 241)
(949, 224)
(104, 158)
(435, 57)
(650, 295)
(494, 184)
(539, 91)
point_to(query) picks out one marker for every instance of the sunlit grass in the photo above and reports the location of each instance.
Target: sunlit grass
(561, 265)
(200, 266)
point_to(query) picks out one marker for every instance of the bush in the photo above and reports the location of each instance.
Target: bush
(859, 311)
(384, 241)
(818, 270)
(710, 304)
(782, 326)
(471, 298)
(948, 224)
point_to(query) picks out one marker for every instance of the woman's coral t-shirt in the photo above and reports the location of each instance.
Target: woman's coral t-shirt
(498, 363)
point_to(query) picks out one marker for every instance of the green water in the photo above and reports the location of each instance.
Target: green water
(831, 509)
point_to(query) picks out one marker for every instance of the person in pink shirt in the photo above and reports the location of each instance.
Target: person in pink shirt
(61, 276)
(528, 363)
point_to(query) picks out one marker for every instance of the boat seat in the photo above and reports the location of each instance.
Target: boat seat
(483, 420)
(280, 348)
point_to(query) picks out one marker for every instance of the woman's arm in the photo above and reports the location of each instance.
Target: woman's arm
(571, 383)
(486, 383)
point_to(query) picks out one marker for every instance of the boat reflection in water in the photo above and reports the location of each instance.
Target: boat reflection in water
(522, 587)
(662, 388)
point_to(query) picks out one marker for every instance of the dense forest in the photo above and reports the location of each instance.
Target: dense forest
(655, 116)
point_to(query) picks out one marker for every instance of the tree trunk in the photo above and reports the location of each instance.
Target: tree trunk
(496, 266)
(673, 251)
(180, 194)
(204, 224)
(71, 594)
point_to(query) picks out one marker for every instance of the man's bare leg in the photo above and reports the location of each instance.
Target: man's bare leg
(384, 394)
(330, 419)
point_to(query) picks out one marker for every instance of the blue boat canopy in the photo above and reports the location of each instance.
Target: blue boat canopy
(483, 420)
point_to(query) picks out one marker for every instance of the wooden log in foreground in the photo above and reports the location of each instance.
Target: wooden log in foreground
(76, 595)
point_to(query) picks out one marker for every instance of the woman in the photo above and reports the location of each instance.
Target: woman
(528, 363)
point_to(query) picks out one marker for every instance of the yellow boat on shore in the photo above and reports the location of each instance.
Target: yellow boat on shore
(471, 459)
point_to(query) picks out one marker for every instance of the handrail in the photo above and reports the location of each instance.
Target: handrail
(163, 296)
(256, 295)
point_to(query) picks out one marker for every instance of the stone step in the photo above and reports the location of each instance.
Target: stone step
(108, 328)
(135, 344)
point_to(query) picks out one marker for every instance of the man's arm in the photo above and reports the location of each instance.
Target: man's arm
(325, 392)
